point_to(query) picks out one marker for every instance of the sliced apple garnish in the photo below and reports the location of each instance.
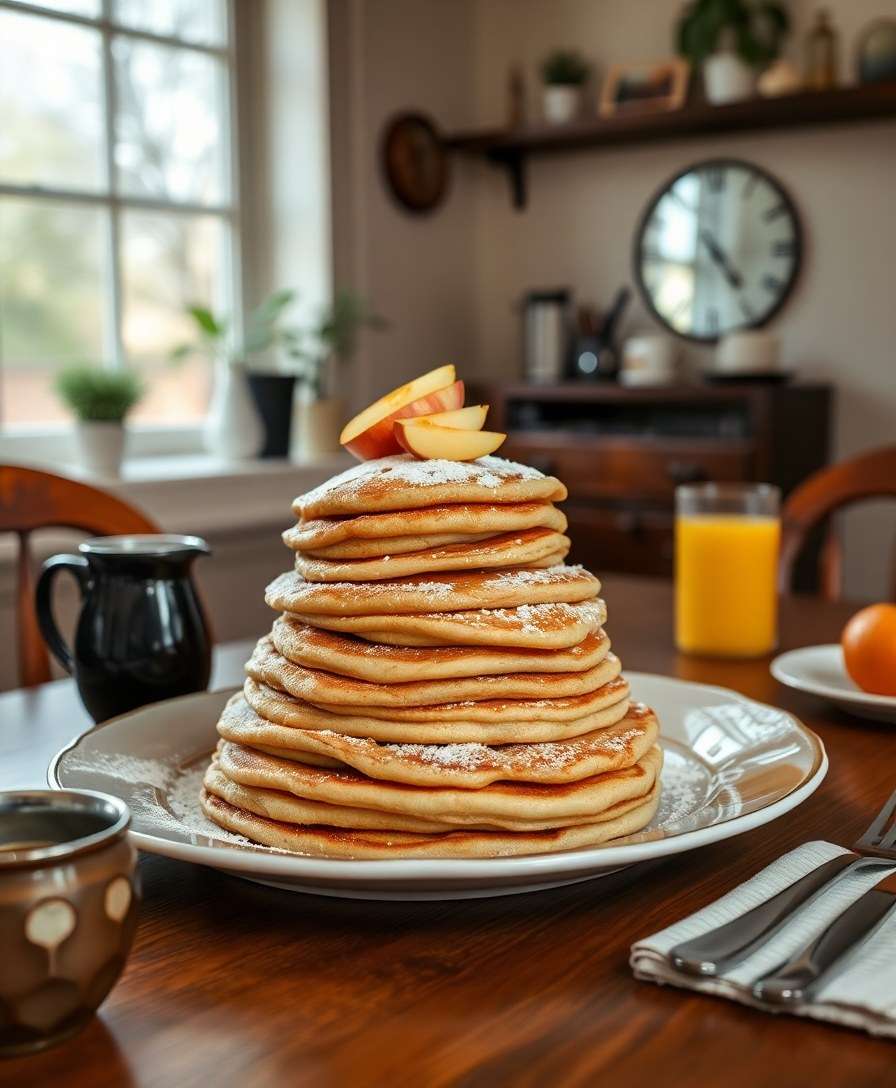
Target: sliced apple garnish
(369, 435)
(428, 440)
(470, 418)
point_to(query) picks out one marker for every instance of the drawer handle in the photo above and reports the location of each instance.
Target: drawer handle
(686, 472)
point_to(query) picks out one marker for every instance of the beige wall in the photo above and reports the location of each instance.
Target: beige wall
(450, 281)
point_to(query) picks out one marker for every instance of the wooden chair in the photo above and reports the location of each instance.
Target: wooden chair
(30, 500)
(869, 476)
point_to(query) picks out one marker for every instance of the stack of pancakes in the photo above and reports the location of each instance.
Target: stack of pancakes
(438, 683)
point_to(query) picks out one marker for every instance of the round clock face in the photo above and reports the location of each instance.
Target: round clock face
(718, 249)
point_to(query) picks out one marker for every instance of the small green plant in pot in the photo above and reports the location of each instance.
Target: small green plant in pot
(319, 355)
(731, 40)
(564, 73)
(100, 400)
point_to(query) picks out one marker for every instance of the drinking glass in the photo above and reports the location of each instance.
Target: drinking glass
(726, 559)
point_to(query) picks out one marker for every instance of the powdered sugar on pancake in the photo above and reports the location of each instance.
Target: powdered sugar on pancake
(486, 472)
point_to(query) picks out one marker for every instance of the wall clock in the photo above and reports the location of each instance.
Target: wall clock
(718, 248)
(414, 162)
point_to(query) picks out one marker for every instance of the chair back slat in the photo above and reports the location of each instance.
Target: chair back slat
(31, 499)
(871, 475)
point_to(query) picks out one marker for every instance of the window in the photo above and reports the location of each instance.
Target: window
(117, 194)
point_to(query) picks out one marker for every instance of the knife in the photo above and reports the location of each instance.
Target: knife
(795, 982)
(713, 952)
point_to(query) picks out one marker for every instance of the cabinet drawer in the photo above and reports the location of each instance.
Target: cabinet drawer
(624, 469)
(612, 539)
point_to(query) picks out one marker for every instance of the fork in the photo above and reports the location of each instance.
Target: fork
(714, 952)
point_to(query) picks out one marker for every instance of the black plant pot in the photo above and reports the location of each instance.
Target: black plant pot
(272, 394)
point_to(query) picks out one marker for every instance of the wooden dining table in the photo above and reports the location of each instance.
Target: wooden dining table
(234, 983)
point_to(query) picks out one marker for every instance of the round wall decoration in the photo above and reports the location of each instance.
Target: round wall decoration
(414, 162)
(718, 248)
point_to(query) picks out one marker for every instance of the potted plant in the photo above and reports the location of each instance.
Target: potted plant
(731, 40)
(317, 356)
(100, 400)
(249, 414)
(564, 73)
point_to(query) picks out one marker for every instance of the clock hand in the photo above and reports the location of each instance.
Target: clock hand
(731, 274)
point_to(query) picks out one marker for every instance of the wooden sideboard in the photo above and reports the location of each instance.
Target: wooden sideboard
(622, 452)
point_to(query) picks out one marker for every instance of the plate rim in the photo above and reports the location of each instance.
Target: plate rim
(596, 859)
(780, 672)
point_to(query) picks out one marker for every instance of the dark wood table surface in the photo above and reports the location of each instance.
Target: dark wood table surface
(231, 983)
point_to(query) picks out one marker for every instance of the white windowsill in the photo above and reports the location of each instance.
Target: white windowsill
(197, 493)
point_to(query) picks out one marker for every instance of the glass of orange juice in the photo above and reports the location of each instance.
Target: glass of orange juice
(726, 561)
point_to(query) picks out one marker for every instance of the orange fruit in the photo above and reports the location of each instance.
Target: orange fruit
(869, 648)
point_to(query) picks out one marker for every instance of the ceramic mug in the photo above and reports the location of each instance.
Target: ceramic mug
(68, 911)
(747, 351)
(649, 359)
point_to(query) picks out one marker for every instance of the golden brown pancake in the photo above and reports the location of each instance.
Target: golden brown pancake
(464, 766)
(391, 546)
(528, 548)
(531, 626)
(317, 686)
(404, 483)
(581, 800)
(282, 712)
(343, 843)
(347, 655)
(290, 592)
(486, 519)
(633, 789)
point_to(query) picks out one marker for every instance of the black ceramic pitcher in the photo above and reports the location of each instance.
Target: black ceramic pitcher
(142, 635)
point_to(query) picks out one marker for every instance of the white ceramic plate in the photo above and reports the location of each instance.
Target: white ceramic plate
(819, 670)
(731, 765)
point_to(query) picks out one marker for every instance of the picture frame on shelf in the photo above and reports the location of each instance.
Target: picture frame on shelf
(647, 87)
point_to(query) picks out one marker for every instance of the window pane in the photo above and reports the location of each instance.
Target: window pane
(202, 21)
(50, 102)
(89, 8)
(52, 287)
(171, 121)
(169, 262)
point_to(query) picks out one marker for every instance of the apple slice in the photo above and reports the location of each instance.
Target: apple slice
(369, 434)
(429, 441)
(470, 418)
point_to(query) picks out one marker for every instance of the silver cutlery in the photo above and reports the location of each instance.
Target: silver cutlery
(714, 952)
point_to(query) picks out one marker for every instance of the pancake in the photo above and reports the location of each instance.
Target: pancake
(281, 712)
(343, 843)
(404, 483)
(464, 766)
(391, 545)
(532, 626)
(290, 592)
(529, 547)
(318, 686)
(279, 805)
(346, 655)
(487, 519)
(582, 800)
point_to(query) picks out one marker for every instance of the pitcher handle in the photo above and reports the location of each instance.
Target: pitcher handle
(76, 565)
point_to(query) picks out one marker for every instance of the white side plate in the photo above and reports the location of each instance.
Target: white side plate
(819, 670)
(731, 765)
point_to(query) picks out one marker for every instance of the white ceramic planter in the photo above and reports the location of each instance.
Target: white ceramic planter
(233, 430)
(727, 79)
(561, 104)
(316, 425)
(101, 446)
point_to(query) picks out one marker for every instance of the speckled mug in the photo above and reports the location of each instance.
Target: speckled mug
(68, 911)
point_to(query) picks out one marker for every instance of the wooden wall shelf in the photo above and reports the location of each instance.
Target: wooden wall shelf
(510, 148)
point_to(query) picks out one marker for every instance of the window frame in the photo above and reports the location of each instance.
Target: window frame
(156, 438)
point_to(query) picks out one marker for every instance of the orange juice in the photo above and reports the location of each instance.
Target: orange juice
(726, 584)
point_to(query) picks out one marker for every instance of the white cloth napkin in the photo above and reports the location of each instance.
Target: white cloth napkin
(861, 992)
